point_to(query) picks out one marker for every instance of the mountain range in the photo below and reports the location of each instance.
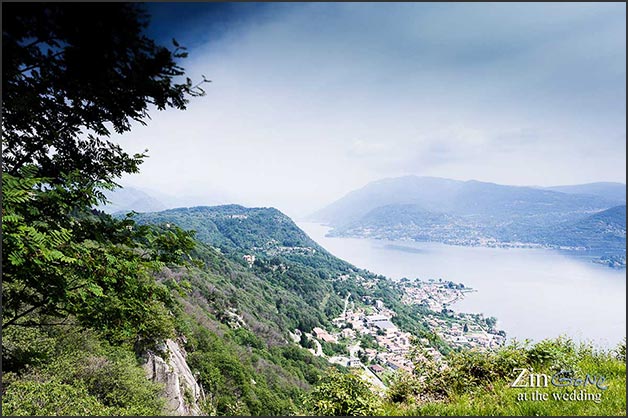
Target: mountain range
(129, 199)
(587, 219)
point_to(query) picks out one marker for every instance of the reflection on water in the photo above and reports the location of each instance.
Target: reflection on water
(404, 248)
(534, 293)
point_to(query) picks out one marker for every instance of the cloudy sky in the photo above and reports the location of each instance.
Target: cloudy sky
(310, 101)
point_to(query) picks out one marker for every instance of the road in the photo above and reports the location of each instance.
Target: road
(344, 310)
(372, 377)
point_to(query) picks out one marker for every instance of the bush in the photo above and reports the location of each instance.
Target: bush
(342, 395)
(555, 355)
(479, 383)
(100, 379)
(620, 351)
(30, 397)
(404, 388)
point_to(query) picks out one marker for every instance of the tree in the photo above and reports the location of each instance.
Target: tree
(305, 342)
(491, 322)
(88, 265)
(72, 74)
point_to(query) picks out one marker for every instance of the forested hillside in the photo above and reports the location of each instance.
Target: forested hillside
(304, 282)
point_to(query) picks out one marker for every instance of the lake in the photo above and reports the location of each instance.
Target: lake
(534, 293)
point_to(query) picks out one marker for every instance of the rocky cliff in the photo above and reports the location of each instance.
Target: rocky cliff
(181, 391)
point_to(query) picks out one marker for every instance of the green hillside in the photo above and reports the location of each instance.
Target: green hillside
(306, 284)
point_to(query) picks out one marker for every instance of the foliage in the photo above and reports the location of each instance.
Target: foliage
(620, 351)
(404, 388)
(478, 383)
(68, 81)
(50, 398)
(241, 374)
(64, 74)
(83, 375)
(342, 395)
(60, 261)
(334, 349)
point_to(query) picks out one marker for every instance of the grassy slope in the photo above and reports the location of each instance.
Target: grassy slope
(496, 397)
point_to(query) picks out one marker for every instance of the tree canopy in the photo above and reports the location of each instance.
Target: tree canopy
(72, 75)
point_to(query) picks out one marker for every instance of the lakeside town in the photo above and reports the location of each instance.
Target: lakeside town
(378, 347)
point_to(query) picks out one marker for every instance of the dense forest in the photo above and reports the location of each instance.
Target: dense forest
(92, 303)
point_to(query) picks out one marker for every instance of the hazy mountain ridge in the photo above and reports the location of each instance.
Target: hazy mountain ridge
(465, 198)
(129, 199)
(603, 232)
(478, 213)
(608, 190)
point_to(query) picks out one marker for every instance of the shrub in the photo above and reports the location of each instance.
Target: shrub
(29, 398)
(556, 355)
(620, 351)
(405, 388)
(102, 380)
(341, 395)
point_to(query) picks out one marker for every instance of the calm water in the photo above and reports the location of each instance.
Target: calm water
(534, 293)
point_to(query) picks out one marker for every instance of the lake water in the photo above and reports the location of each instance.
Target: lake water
(533, 293)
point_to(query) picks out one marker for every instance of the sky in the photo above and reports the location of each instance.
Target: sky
(309, 101)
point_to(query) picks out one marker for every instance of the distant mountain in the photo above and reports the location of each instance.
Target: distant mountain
(485, 202)
(603, 232)
(607, 190)
(478, 213)
(129, 199)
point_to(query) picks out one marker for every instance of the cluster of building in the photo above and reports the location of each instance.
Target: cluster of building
(364, 282)
(323, 335)
(466, 332)
(394, 344)
(393, 349)
(282, 249)
(436, 295)
(458, 329)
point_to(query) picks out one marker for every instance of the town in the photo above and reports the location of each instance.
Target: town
(365, 337)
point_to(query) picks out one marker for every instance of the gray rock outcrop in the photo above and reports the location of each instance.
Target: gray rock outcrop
(181, 391)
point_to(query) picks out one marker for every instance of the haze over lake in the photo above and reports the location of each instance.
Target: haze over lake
(533, 293)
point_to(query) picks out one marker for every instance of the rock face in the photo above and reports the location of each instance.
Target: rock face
(181, 390)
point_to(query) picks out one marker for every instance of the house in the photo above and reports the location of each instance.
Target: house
(376, 368)
(393, 365)
(384, 325)
(397, 364)
(373, 318)
(354, 362)
(348, 333)
(323, 335)
(250, 259)
(370, 353)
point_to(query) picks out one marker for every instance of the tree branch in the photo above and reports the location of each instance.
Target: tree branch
(23, 314)
(39, 64)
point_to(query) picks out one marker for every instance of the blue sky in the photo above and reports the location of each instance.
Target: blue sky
(311, 100)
